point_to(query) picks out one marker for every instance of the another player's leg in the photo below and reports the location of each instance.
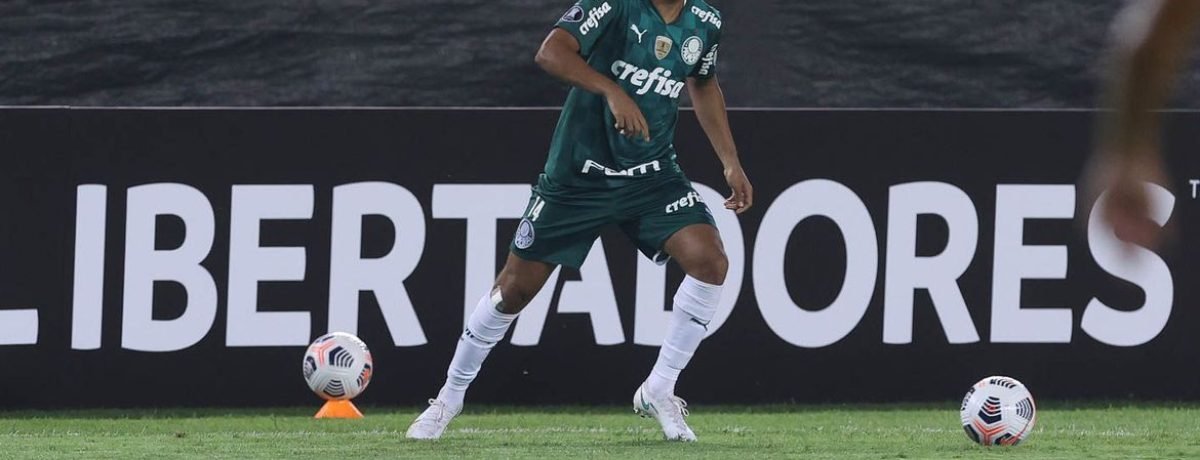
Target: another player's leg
(698, 250)
(518, 283)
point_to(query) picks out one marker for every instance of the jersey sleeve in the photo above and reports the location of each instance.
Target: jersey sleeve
(708, 63)
(588, 20)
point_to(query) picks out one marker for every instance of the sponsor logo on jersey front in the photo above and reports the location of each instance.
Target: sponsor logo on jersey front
(687, 201)
(707, 16)
(590, 166)
(593, 18)
(662, 47)
(524, 238)
(658, 80)
(691, 50)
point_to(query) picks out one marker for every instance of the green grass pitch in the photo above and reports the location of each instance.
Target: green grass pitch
(1090, 431)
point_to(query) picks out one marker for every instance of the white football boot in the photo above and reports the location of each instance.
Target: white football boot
(431, 423)
(669, 410)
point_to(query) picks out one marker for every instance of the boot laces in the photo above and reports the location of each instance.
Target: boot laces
(435, 413)
(680, 407)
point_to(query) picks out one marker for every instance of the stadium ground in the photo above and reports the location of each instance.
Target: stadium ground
(837, 432)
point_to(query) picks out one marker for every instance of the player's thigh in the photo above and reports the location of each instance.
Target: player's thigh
(672, 221)
(553, 231)
(698, 250)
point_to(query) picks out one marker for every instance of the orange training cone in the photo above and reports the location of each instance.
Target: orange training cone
(338, 409)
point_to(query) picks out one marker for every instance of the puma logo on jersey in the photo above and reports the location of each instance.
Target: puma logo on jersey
(659, 80)
(639, 33)
(707, 16)
(639, 170)
(687, 201)
(593, 18)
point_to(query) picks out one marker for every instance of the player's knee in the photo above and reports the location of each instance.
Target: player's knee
(712, 268)
(514, 297)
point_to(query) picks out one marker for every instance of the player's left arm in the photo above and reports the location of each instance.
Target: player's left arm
(709, 102)
(1151, 42)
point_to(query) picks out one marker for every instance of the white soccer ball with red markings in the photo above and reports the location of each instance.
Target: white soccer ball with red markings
(338, 366)
(998, 411)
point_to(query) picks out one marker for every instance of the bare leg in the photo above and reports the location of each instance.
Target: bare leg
(518, 283)
(699, 252)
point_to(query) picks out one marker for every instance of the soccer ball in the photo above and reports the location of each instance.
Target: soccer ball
(338, 366)
(998, 411)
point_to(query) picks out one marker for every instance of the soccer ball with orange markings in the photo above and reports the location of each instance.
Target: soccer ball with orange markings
(338, 366)
(998, 411)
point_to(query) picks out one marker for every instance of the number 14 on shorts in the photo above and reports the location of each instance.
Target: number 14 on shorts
(535, 211)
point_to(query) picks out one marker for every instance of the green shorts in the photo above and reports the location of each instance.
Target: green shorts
(559, 228)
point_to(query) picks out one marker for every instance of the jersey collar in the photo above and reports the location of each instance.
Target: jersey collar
(657, 14)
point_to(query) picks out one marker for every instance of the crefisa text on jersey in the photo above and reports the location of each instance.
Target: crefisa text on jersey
(658, 79)
(707, 16)
(593, 18)
(482, 206)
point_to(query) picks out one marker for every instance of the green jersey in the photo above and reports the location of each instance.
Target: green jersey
(629, 42)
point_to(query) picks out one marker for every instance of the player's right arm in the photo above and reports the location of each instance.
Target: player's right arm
(1150, 41)
(561, 55)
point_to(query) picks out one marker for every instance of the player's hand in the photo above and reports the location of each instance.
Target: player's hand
(743, 193)
(1127, 206)
(630, 121)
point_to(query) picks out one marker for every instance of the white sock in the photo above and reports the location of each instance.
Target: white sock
(695, 305)
(485, 328)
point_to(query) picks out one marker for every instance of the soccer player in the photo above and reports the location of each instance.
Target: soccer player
(612, 162)
(1151, 41)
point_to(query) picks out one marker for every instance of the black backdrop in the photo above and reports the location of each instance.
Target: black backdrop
(51, 151)
(813, 53)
